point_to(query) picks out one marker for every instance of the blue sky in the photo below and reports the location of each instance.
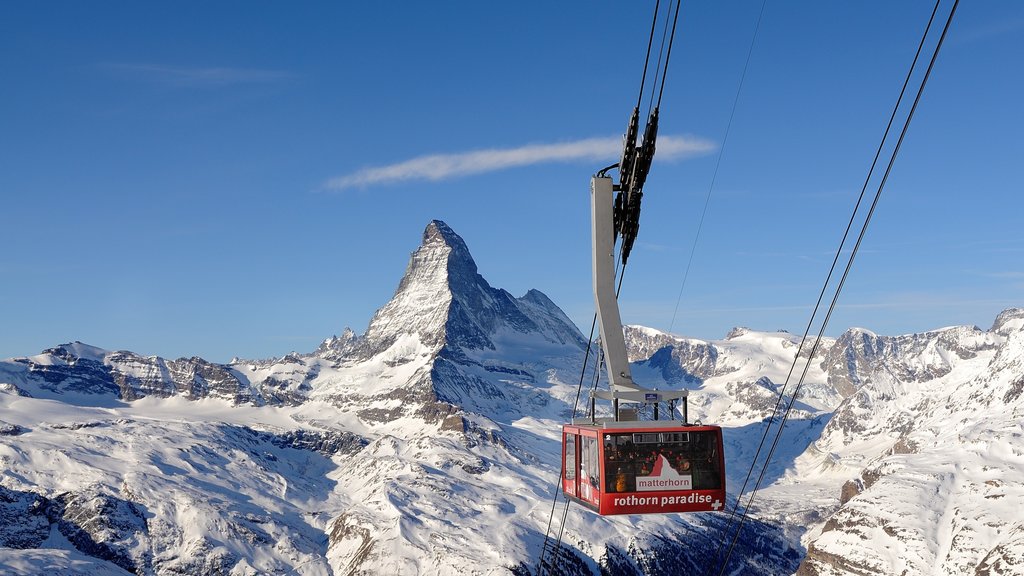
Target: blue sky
(197, 178)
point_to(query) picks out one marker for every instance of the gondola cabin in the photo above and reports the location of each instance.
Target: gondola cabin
(649, 467)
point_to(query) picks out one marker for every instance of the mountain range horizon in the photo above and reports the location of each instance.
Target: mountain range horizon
(377, 452)
(441, 229)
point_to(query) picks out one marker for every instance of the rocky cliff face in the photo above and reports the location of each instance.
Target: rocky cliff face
(161, 497)
(912, 460)
(443, 300)
(678, 360)
(82, 371)
(448, 342)
(860, 356)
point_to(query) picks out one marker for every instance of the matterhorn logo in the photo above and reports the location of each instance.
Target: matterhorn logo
(664, 477)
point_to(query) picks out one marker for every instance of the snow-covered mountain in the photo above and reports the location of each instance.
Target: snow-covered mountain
(429, 445)
(932, 445)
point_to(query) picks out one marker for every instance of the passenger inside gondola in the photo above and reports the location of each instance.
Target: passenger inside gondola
(687, 454)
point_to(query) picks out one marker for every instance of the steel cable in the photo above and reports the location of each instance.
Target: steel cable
(867, 220)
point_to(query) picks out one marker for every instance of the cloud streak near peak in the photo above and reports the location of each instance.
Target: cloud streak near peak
(438, 167)
(196, 76)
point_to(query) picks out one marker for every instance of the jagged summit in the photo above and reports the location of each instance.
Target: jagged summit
(1009, 320)
(448, 341)
(436, 234)
(442, 256)
(421, 303)
(442, 299)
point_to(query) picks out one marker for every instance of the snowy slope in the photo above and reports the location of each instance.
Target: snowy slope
(429, 445)
(932, 448)
(426, 445)
(736, 383)
(167, 488)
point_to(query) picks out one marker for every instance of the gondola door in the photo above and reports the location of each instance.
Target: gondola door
(570, 463)
(581, 465)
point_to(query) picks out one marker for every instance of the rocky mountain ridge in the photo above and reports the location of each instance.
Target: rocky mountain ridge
(932, 440)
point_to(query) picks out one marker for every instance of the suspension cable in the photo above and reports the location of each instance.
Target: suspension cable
(575, 409)
(554, 499)
(671, 40)
(661, 52)
(846, 271)
(620, 273)
(718, 163)
(647, 59)
(835, 261)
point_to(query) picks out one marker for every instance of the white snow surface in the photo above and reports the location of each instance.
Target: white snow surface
(420, 498)
(455, 396)
(931, 446)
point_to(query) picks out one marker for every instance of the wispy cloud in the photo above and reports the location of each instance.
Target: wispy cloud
(196, 76)
(1005, 275)
(436, 167)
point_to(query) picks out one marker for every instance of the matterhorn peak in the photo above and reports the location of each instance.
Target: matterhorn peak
(420, 305)
(443, 301)
(439, 236)
(441, 259)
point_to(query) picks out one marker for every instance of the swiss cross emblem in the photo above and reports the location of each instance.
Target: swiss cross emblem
(716, 505)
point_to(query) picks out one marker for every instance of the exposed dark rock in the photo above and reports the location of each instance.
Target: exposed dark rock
(679, 360)
(24, 522)
(8, 429)
(73, 374)
(1005, 322)
(815, 559)
(736, 332)
(328, 443)
(850, 489)
(1015, 390)
(198, 557)
(869, 476)
(1006, 557)
(858, 355)
(479, 466)
(10, 388)
(760, 549)
(80, 425)
(83, 369)
(904, 446)
(337, 348)
(197, 378)
(566, 561)
(349, 527)
(105, 527)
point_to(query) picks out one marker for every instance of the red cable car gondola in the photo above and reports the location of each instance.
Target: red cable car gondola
(617, 464)
(643, 467)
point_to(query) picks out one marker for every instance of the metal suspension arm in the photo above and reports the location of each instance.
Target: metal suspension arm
(613, 342)
(603, 241)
